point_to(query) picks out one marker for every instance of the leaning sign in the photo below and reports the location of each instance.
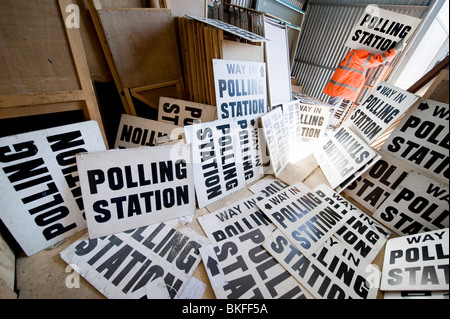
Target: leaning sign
(181, 113)
(379, 30)
(148, 262)
(126, 189)
(422, 140)
(417, 262)
(40, 191)
(240, 88)
(418, 204)
(343, 154)
(136, 131)
(380, 110)
(226, 157)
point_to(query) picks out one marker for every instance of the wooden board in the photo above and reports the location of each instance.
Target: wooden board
(44, 67)
(143, 45)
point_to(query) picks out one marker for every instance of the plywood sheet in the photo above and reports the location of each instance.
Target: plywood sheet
(35, 54)
(143, 45)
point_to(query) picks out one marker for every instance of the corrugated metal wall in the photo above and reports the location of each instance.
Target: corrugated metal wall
(325, 30)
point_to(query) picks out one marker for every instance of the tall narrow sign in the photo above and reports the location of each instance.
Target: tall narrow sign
(226, 157)
(275, 135)
(40, 192)
(127, 189)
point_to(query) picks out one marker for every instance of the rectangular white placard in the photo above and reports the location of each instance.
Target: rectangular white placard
(226, 157)
(343, 154)
(417, 262)
(127, 189)
(240, 268)
(373, 187)
(275, 135)
(378, 30)
(40, 192)
(304, 217)
(380, 110)
(148, 262)
(137, 131)
(417, 205)
(421, 139)
(180, 112)
(241, 88)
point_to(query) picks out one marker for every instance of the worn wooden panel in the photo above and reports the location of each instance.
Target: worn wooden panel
(35, 55)
(143, 45)
(7, 265)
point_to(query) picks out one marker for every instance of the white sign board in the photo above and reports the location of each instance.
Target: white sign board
(278, 62)
(148, 262)
(417, 205)
(240, 268)
(226, 157)
(235, 219)
(373, 187)
(275, 135)
(421, 139)
(331, 273)
(343, 154)
(40, 192)
(306, 219)
(127, 189)
(417, 262)
(136, 132)
(380, 110)
(379, 30)
(361, 234)
(180, 113)
(240, 88)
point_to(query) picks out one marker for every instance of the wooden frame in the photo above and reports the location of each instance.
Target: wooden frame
(130, 70)
(28, 103)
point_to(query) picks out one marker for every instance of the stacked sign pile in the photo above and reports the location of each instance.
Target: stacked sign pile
(275, 240)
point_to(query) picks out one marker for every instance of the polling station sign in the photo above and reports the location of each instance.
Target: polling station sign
(275, 135)
(235, 219)
(240, 268)
(143, 263)
(417, 262)
(313, 120)
(379, 30)
(422, 139)
(303, 216)
(130, 188)
(241, 88)
(361, 234)
(380, 110)
(40, 192)
(226, 157)
(373, 187)
(137, 131)
(331, 273)
(180, 112)
(417, 205)
(342, 154)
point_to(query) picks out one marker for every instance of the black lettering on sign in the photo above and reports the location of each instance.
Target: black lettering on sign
(24, 176)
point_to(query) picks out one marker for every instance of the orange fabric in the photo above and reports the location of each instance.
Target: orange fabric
(349, 77)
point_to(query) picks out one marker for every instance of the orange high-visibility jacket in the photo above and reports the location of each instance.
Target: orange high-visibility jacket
(349, 77)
